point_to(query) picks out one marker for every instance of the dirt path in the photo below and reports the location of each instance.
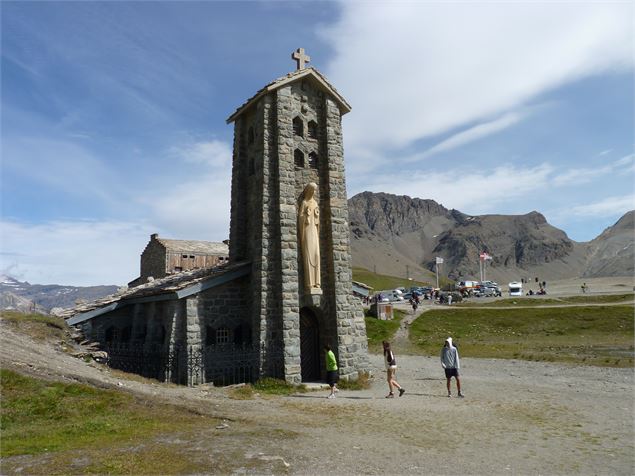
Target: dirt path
(517, 418)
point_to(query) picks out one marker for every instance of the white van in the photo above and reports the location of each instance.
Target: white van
(515, 288)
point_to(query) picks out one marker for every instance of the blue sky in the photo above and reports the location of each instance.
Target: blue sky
(113, 115)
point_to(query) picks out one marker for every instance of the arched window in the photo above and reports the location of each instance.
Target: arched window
(223, 335)
(313, 160)
(313, 132)
(298, 126)
(298, 158)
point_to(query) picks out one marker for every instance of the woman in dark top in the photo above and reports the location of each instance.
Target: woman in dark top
(391, 368)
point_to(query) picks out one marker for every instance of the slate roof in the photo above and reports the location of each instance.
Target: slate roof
(174, 286)
(192, 246)
(290, 77)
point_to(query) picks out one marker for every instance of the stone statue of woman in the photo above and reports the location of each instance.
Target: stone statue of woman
(309, 236)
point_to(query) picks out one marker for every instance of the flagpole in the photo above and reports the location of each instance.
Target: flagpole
(437, 270)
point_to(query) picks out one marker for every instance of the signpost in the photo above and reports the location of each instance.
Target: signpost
(437, 263)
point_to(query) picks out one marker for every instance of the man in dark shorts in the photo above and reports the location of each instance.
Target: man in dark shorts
(450, 362)
(332, 375)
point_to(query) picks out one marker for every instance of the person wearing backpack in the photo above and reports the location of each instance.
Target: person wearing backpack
(391, 368)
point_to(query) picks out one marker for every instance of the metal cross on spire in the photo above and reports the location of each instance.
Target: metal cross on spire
(300, 58)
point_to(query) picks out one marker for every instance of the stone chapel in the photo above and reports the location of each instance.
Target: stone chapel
(287, 289)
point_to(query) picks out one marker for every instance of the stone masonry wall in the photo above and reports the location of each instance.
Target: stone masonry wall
(351, 327)
(153, 261)
(287, 203)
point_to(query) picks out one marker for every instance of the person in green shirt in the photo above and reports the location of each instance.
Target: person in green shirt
(331, 370)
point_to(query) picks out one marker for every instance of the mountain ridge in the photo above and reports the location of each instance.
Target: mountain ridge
(403, 236)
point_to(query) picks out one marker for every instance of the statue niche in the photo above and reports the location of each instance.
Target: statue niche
(309, 237)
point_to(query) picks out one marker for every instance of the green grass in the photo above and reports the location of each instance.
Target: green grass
(598, 335)
(381, 282)
(38, 416)
(362, 383)
(544, 301)
(38, 326)
(266, 386)
(272, 386)
(378, 331)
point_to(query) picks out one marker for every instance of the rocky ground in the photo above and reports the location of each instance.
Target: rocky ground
(517, 418)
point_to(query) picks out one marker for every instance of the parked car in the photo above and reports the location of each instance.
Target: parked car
(488, 288)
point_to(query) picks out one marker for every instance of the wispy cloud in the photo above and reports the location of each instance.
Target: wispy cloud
(74, 252)
(582, 175)
(215, 153)
(474, 133)
(611, 206)
(419, 77)
(477, 192)
(198, 202)
(63, 166)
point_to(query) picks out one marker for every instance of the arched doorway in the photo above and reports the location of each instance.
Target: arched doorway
(309, 345)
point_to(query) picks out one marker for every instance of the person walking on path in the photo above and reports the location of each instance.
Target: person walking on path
(451, 364)
(391, 368)
(331, 371)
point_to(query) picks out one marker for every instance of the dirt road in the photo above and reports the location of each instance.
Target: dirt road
(517, 418)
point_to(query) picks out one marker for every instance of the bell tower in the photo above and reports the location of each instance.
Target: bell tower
(289, 218)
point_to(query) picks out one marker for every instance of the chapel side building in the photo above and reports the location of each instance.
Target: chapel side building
(162, 257)
(288, 135)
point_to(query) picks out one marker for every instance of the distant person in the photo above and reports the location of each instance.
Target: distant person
(544, 284)
(584, 288)
(391, 369)
(414, 304)
(331, 370)
(449, 299)
(451, 364)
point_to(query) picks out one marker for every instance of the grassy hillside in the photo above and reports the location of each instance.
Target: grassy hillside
(542, 301)
(598, 335)
(50, 417)
(378, 331)
(381, 282)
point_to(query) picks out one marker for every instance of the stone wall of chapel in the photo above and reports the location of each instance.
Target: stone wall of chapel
(351, 327)
(286, 239)
(224, 306)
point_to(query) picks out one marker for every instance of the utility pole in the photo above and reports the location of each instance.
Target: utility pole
(407, 272)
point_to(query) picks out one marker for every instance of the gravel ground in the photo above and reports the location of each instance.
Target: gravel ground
(517, 418)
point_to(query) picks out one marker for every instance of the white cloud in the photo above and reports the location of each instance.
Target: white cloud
(192, 203)
(610, 206)
(79, 253)
(586, 175)
(197, 205)
(473, 193)
(412, 70)
(214, 153)
(474, 133)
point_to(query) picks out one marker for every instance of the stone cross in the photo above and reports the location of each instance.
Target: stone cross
(300, 58)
